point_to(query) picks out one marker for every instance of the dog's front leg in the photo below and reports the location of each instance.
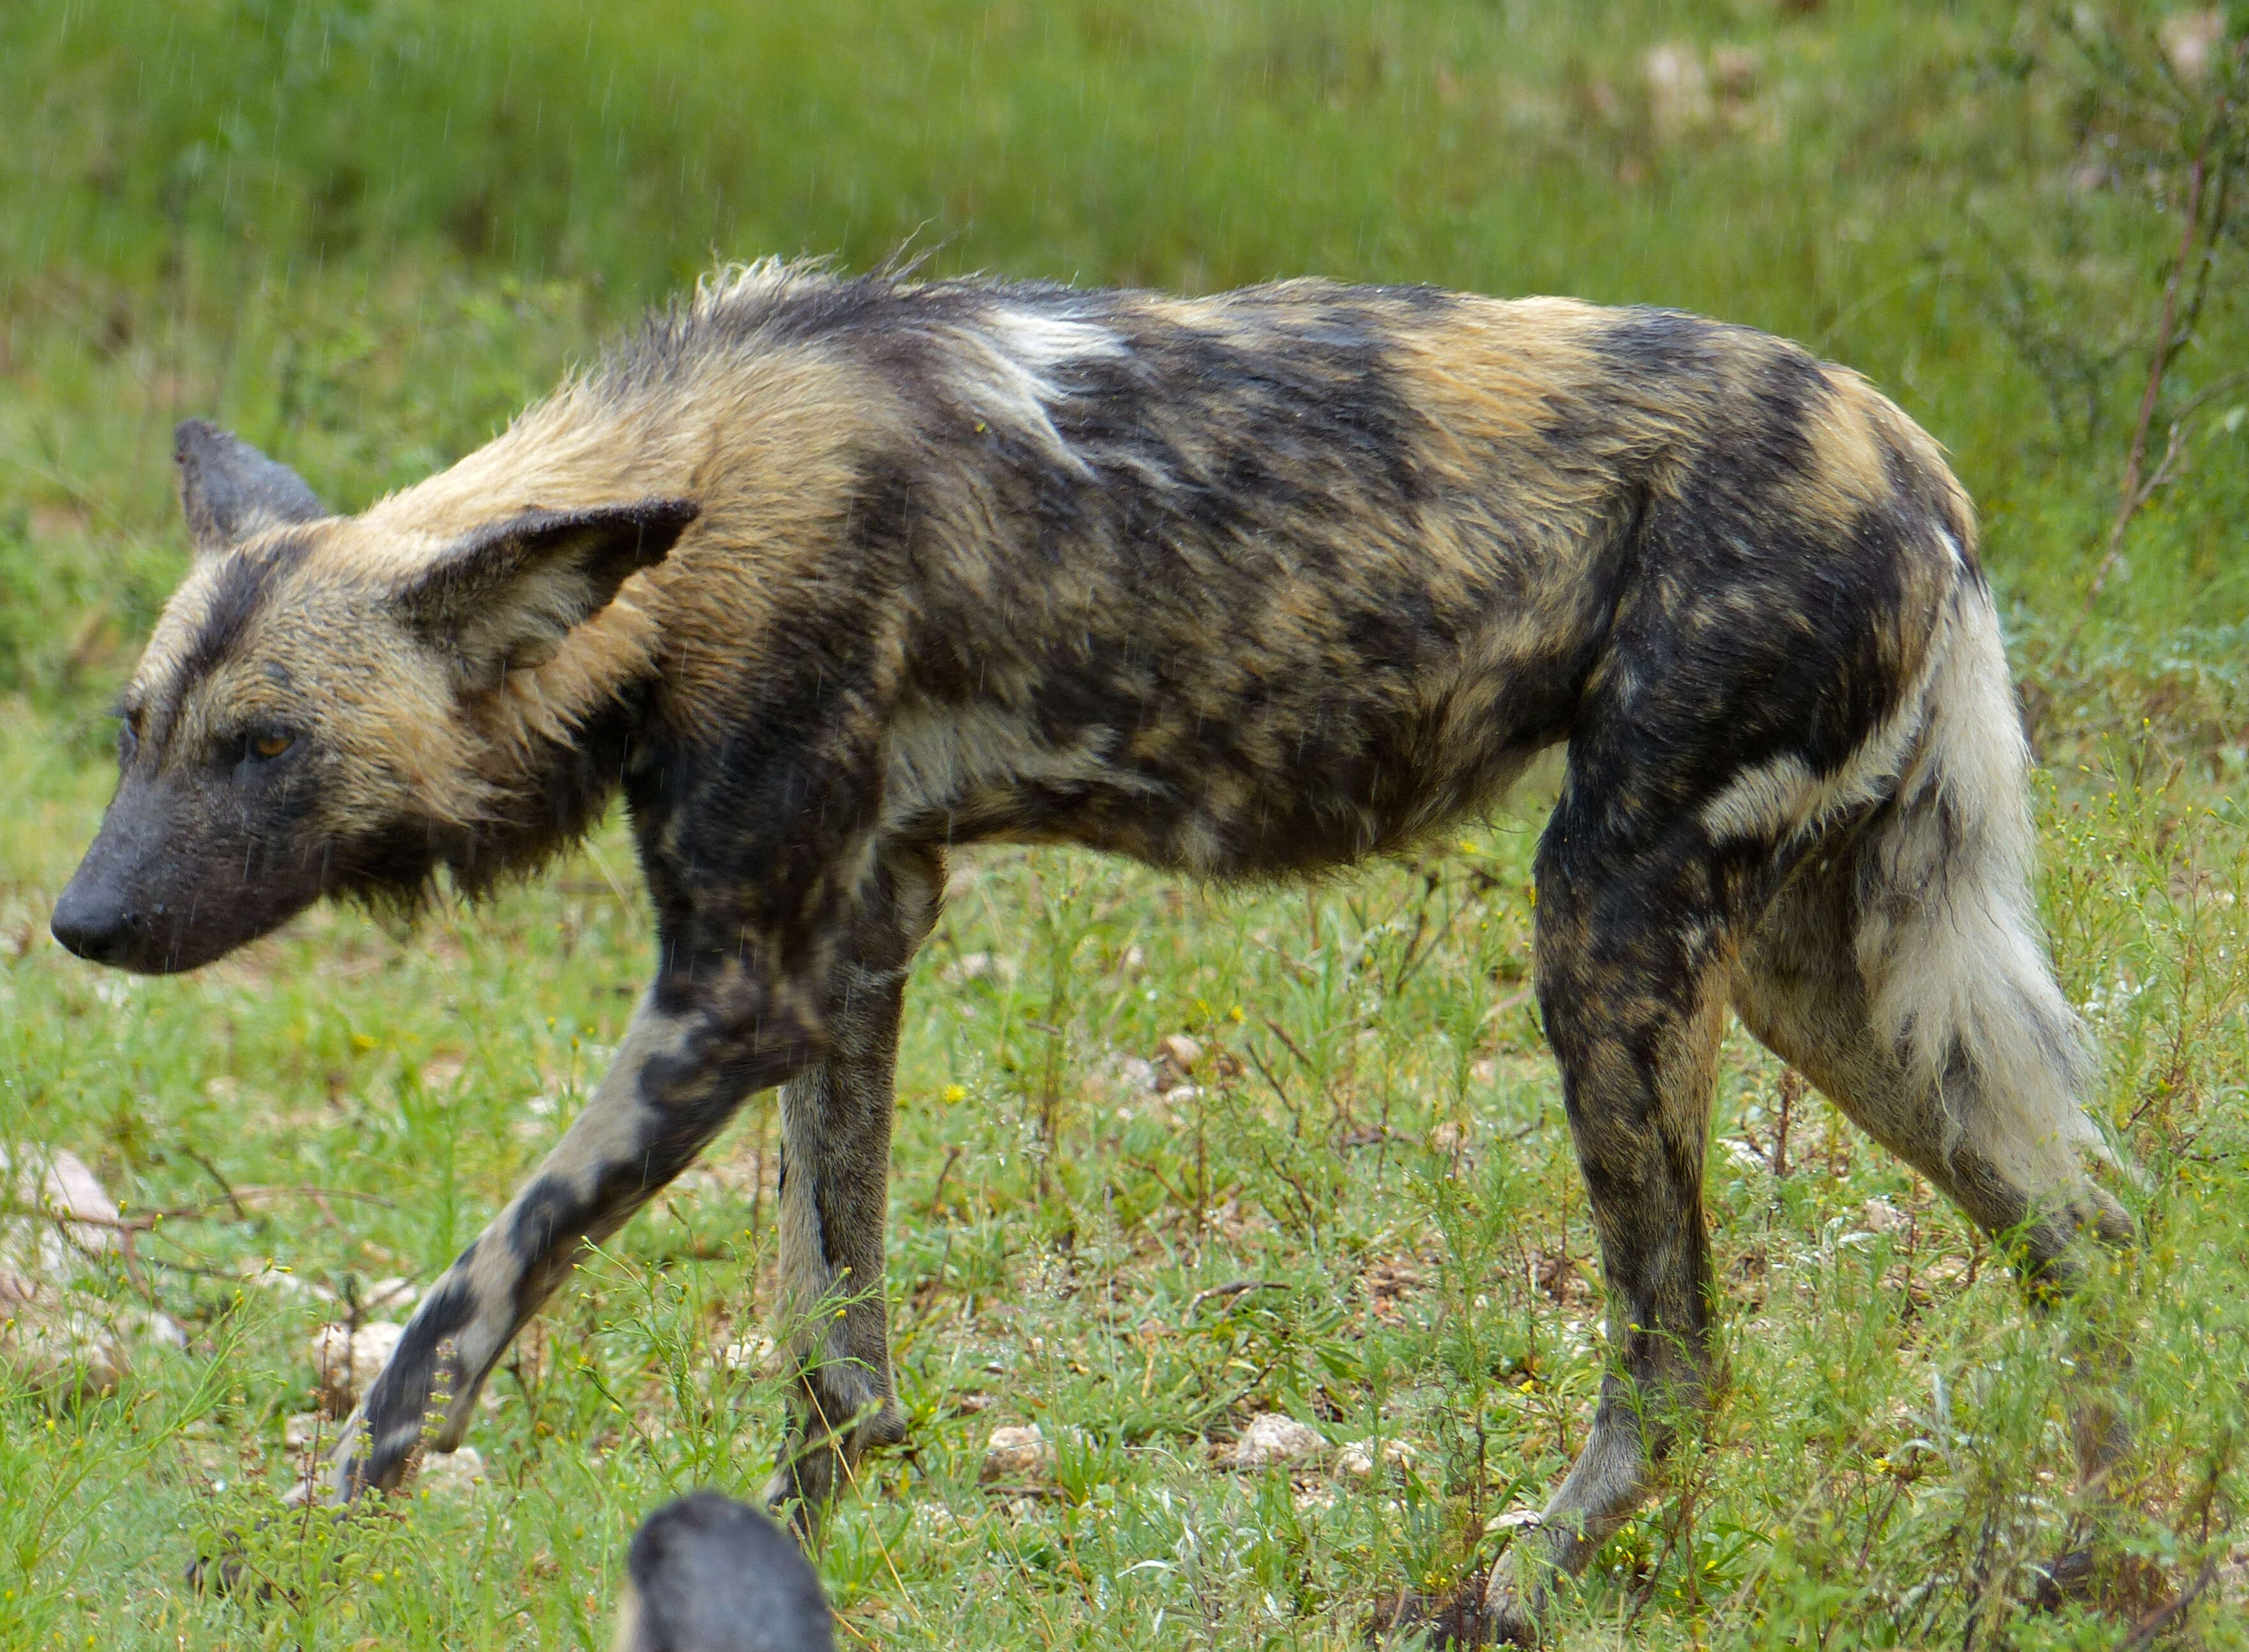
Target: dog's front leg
(835, 1146)
(710, 1032)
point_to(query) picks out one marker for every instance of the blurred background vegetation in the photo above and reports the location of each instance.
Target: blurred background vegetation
(362, 232)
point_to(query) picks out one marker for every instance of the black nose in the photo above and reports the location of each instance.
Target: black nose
(93, 923)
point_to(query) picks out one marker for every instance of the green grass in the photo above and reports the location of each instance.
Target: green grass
(364, 231)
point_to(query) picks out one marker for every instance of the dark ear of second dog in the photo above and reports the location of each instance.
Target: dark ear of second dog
(710, 1575)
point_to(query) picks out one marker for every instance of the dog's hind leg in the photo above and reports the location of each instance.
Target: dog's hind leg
(1637, 925)
(1803, 996)
(1900, 971)
(836, 1143)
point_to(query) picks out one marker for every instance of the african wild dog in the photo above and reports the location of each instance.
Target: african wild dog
(826, 575)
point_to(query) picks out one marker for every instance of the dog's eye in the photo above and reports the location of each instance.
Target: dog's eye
(129, 736)
(270, 743)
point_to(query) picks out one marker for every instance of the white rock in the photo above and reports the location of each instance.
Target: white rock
(451, 1474)
(51, 1334)
(1022, 1453)
(1272, 1438)
(55, 1181)
(51, 1345)
(307, 1429)
(371, 1347)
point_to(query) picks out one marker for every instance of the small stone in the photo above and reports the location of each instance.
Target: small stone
(2190, 40)
(1678, 88)
(1272, 1438)
(937, 1519)
(273, 1276)
(1181, 1051)
(1559, 1275)
(304, 1430)
(1880, 1216)
(451, 1474)
(1023, 1453)
(749, 1357)
(1735, 69)
(980, 967)
(1513, 1520)
(1357, 1459)
(1747, 1157)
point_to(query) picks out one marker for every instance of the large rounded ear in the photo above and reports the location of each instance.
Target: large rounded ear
(229, 490)
(503, 597)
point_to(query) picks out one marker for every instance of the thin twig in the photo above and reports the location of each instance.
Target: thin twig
(1239, 1287)
(2165, 472)
(2161, 1618)
(2132, 496)
(224, 1186)
(937, 1193)
(146, 1221)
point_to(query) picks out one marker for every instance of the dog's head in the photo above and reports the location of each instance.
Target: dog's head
(710, 1575)
(324, 701)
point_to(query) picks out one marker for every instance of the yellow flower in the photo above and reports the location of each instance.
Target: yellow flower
(953, 1095)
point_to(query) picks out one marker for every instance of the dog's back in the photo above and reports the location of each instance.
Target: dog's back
(1245, 584)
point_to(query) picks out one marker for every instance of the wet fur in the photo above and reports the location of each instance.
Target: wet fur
(1245, 587)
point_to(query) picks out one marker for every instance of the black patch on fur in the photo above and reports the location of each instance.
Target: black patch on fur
(445, 1313)
(245, 580)
(546, 1211)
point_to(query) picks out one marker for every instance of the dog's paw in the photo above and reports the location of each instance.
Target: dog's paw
(2073, 1576)
(1509, 1619)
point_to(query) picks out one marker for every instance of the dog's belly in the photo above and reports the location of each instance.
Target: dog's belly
(1261, 786)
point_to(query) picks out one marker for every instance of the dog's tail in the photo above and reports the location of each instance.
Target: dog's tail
(1948, 940)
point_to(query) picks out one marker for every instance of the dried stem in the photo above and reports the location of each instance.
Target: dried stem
(2133, 495)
